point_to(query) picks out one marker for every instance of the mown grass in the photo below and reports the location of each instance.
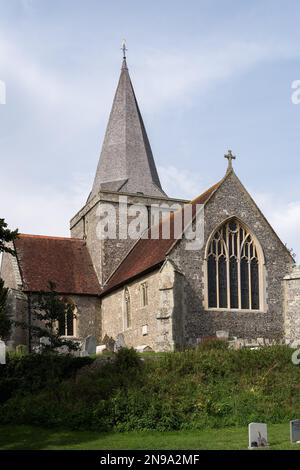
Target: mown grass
(36, 438)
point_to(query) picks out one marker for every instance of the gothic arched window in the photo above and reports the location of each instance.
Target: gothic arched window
(233, 269)
(127, 309)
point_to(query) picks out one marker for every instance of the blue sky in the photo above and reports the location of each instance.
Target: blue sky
(209, 75)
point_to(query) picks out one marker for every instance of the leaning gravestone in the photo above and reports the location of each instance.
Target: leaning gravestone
(120, 342)
(109, 343)
(295, 431)
(90, 344)
(258, 435)
(2, 352)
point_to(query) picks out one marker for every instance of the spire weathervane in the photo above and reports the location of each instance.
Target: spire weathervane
(229, 157)
(124, 49)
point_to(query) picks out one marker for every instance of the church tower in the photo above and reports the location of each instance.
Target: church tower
(126, 162)
(126, 168)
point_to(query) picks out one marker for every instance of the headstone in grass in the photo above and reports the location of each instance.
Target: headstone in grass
(143, 348)
(120, 342)
(2, 352)
(222, 334)
(109, 343)
(101, 348)
(21, 349)
(258, 435)
(295, 431)
(90, 344)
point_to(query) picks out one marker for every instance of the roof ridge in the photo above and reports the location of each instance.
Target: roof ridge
(138, 263)
(50, 237)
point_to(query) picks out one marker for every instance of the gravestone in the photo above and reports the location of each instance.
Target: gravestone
(45, 341)
(2, 352)
(62, 349)
(109, 343)
(21, 349)
(83, 353)
(258, 435)
(120, 342)
(222, 334)
(101, 349)
(89, 344)
(295, 431)
(143, 348)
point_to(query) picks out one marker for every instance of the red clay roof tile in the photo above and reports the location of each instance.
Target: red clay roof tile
(147, 254)
(64, 261)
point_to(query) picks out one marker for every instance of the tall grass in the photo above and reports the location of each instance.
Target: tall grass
(210, 386)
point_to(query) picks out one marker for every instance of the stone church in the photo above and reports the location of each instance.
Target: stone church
(153, 292)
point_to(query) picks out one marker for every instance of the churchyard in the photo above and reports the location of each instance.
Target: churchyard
(203, 398)
(35, 438)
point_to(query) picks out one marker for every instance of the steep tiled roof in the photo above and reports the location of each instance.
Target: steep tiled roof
(63, 261)
(149, 253)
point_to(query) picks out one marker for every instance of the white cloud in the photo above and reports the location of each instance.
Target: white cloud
(42, 210)
(160, 77)
(179, 182)
(284, 218)
(172, 76)
(163, 77)
(76, 99)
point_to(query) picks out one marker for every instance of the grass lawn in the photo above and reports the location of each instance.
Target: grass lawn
(34, 438)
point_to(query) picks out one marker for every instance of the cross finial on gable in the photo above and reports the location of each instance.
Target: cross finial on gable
(229, 157)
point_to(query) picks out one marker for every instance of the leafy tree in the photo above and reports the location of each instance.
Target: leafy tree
(6, 236)
(49, 313)
(5, 322)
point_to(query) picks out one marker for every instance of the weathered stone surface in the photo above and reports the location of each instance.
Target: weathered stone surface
(107, 254)
(89, 344)
(292, 306)
(232, 200)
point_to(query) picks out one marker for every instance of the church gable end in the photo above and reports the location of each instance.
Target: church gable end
(232, 201)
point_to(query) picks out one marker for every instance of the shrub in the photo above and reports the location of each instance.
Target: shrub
(33, 372)
(204, 387)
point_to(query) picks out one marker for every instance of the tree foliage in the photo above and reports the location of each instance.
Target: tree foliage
(49, 310)
(6, 236)
(5, 322)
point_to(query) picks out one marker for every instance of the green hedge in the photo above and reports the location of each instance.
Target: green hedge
(210, 386)
(29, 373)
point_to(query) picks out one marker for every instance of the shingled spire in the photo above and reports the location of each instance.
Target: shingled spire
(126, 162)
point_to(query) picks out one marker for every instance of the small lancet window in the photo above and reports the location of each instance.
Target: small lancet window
(127, 309)
(144, 294)
(66, 325)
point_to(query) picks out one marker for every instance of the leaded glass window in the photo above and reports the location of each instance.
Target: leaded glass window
(233, 269)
